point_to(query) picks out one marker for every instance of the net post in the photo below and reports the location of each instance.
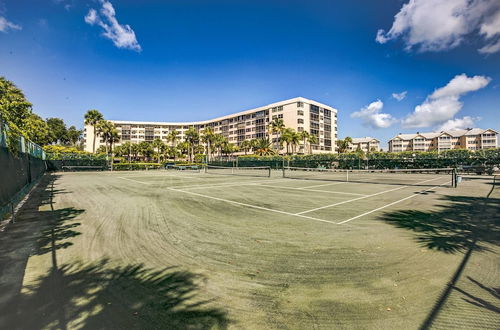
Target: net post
(454, 178)
(347, 175)
(269, 169)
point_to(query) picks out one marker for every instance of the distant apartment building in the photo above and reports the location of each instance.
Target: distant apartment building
(298, 113)
(366, 144)
(471, 139)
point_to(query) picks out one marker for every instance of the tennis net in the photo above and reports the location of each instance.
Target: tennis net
(261, 171)
(416, 177)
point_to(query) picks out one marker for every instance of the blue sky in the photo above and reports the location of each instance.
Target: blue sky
(185, 60)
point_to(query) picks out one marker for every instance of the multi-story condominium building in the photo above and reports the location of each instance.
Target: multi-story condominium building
(471, 139)
(366, 144)
(298, 113)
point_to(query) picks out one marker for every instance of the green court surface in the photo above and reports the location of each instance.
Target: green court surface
(181, 249)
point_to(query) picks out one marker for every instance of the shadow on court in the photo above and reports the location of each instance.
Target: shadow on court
(89, 296)
(461, 224)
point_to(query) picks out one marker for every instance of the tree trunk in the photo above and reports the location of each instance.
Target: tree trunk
(93, 145)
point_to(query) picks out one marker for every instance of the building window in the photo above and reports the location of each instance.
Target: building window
(300, 121)
(300, 104)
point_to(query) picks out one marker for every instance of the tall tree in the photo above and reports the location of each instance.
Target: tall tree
(286, 136)
(74, 135)
(172, 137)
(304, 135)
(312, 139)
(246, 145)
(58, 130)
(208, 139)
(14, 107)
(295, 140)
(158, 144)
(276, 126)
(343, 145)
(192, 137)
(37, 130)
(92, 117)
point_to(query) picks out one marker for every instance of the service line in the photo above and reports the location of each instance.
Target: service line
(390, 204)
(251, 206)
(363, 197)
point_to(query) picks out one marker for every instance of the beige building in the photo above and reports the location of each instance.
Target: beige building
(471, 139)
(366, 144)
(298, 113)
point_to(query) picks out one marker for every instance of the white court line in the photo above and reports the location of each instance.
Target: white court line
(251, 206)
(120, 177)
(321, 185)
(159, 176)
(363, 197)
(323, 191)
(241, 183)
(390, 204)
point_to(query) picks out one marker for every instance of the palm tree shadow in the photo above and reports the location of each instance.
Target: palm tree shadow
(461, 224)
(100, 296)
(97, 295)
(480, 302)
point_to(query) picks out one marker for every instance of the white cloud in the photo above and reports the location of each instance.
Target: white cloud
(399, 96)
(122, 35)
(5, 25)
(459, 123)
(372, 117)
(444, 103)
(436, 25)
(490, 29)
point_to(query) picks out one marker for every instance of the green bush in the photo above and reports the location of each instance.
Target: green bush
(136, 166)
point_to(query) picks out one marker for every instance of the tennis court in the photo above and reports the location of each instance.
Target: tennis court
(260, 248)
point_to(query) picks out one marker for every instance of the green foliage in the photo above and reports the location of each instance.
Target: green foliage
(58, 130)
(57, 152)
(14, 107)
(37, 130)
(135, 166)
(450, 158)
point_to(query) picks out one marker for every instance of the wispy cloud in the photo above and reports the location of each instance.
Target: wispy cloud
(399, 96)
(372, 117)
(6, 26)
(444, 103)
(122, 35)
(437, 25)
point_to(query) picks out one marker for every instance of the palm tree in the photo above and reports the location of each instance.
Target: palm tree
(183, 148)
(295, 140)
(135, 150)
(104, 129)
(192, 137)
(158, 144)
(109, 134)
(286, 136)
(146, 149)
(263, 147)
(246, 146)
(343, 145)
(304, 135)
(92, 117)
(125, 149)
(312, 139)
(208, 138)
(277, 126)
(219, 142)
(173, 137)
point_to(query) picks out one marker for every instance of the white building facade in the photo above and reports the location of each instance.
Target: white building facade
(299, 113)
